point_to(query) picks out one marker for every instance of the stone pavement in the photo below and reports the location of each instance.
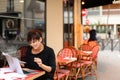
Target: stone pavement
(108, 66)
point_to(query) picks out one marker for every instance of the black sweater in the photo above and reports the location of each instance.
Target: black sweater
(48, 58)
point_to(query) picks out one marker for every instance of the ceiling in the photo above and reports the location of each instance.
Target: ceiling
(95, 3)
(91, 3)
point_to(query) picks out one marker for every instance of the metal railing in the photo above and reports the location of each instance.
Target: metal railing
(110, 44)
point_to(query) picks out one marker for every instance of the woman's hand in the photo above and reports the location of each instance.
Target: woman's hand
(38, 61)
(43, 66)
(22, 65)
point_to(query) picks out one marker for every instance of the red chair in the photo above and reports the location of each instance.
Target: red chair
(86, 47)
(93, 43)
(91, 62)
(79, 67)
(94, 55)
(58, 76)
(66, 72)
(76, 67)
(77, 70)
(68, 52)
(61, 73)
(22, 52)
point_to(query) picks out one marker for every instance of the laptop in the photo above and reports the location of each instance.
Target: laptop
(14, 65)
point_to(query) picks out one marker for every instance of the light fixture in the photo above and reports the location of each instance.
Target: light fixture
(83, 2)
(21, 1)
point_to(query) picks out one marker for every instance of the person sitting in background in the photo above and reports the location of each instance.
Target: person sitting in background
(39, 56)
(92, 41)
(89, 45)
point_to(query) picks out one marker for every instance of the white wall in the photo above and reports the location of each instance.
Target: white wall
(111, 19)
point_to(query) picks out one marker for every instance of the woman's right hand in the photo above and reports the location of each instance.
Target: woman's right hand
(38, 61)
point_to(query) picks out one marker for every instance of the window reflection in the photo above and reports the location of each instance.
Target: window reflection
(18, 16)
(68, 23)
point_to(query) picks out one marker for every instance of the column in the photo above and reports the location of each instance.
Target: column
(77, 24)
(54, 24)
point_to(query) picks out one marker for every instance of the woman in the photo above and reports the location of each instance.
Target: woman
(39, 56)
(92, 41)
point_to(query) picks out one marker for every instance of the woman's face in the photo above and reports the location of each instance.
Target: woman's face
(36, 43)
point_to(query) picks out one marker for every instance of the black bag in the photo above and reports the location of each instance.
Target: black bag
(3, 61)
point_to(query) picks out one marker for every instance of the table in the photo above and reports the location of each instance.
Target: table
(66, 60)
(7, 74)
(83, 53)
(88, 52)
(33, 76)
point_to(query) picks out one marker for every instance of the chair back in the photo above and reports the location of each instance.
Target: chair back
(94, 52)
(74, 50)
(86, 47)
(92, 43)
(22, 52)
(67, 52)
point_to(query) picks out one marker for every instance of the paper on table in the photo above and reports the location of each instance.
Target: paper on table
(12, 76)
(14, 63)
(88, 52)
(9, 60)
(6, 69)
(66, 58)
(3, 70)
(72, 58)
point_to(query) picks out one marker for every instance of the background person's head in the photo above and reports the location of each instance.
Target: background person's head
(92, 34)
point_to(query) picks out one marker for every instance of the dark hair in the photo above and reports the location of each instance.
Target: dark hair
(92, 35)
(34, 34)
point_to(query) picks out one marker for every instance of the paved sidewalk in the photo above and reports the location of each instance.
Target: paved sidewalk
(108, 66)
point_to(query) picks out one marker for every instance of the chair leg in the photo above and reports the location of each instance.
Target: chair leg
(80, 70)
(77, 72)
(83, 71)
(66, 78)
(95, 70)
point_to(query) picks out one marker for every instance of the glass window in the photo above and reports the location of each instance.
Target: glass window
(19, 16)
(68, 23)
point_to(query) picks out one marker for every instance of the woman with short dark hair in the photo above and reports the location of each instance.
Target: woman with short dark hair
(39, 56)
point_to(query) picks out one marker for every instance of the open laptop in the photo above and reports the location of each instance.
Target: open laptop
(14, 65)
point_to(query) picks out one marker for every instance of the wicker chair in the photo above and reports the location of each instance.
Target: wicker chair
(91, 62)
(67, 52)
(61, 74)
